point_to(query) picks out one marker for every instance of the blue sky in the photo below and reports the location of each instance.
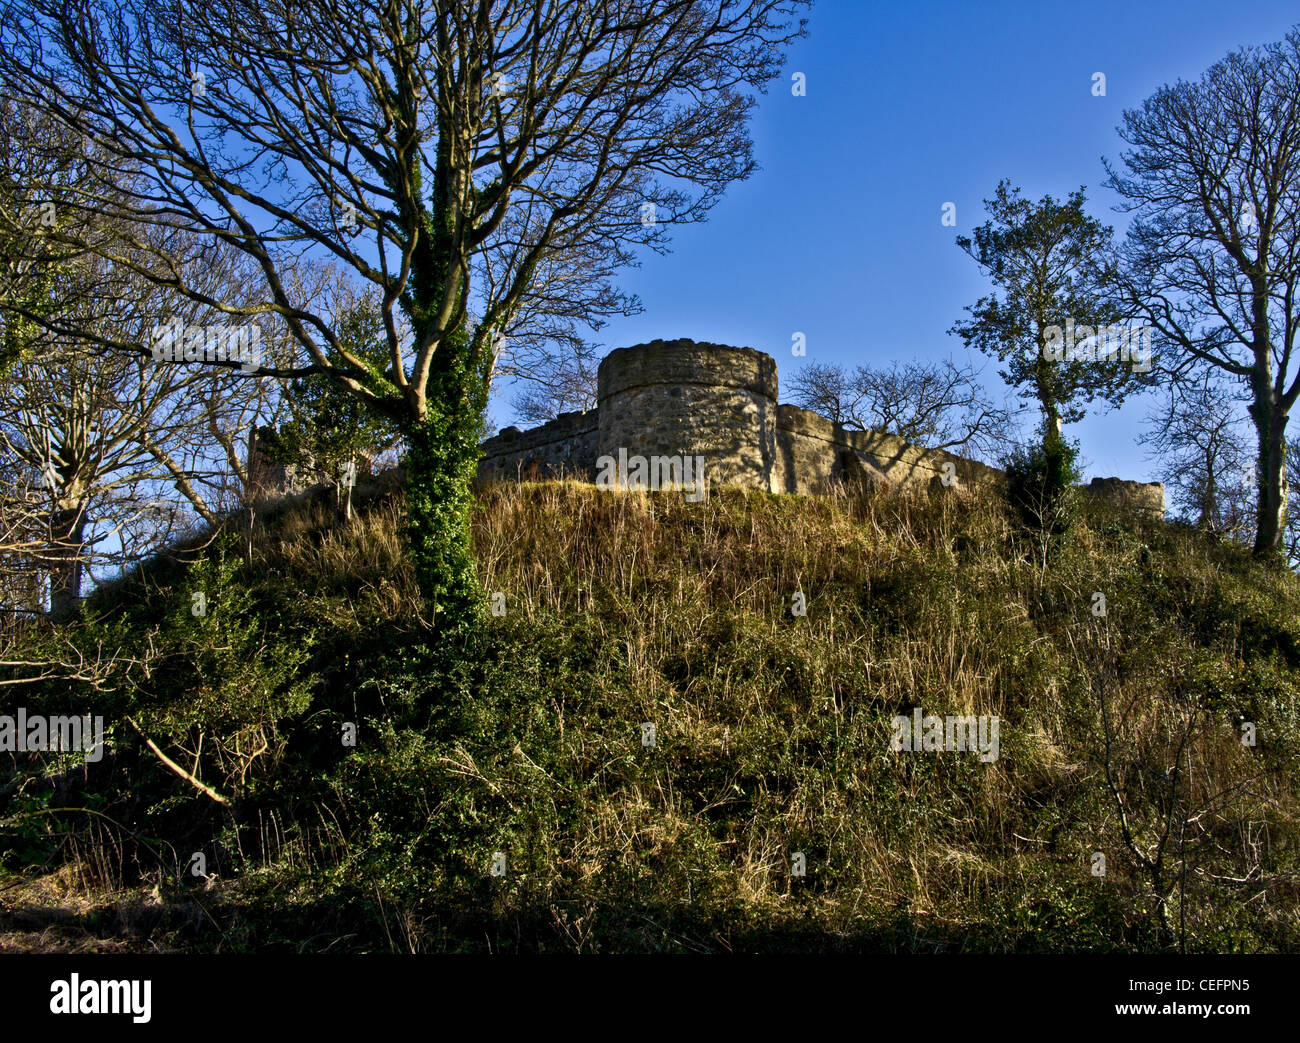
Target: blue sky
(910, 105)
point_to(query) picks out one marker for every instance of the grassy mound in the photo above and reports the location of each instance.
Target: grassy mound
(646, 743)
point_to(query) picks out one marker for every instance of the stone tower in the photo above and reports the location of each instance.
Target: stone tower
(669, 398)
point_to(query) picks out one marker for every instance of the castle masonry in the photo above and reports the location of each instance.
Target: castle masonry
(678, 397)
(682, 398)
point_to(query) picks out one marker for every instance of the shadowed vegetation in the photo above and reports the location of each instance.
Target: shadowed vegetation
(1119, 734)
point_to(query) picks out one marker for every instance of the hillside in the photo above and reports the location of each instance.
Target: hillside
(524, 749)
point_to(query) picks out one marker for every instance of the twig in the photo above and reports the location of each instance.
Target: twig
(202, 787)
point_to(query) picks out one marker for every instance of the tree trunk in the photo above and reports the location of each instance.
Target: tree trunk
(443, 437)
(441, 462)
(1044, 384)
(67, 544)
(1270, 525)
(1209, 496)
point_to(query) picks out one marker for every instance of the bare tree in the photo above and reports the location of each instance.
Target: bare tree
(824, 388)
(1212, 258)
(485, 167)
(938, 405)
(565, 384)
(23, 529)
(1204, 459)
(119, 449)
(119, 444)
(110, 453)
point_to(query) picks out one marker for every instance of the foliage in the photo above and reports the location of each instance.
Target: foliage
(1049, 264)
(1041, 481)
(333, 432)
(523, 738)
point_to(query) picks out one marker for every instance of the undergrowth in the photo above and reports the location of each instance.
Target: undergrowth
(504, 792)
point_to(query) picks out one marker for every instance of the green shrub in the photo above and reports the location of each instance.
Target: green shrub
(1040, 483)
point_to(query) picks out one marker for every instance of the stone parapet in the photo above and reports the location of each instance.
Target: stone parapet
(563, 447)
(1146, 498)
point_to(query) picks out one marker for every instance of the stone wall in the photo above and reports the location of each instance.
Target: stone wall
(671, 398)
(907, 464)
(808, 454)
(813, 453)
(563, 448)
(1142, 497)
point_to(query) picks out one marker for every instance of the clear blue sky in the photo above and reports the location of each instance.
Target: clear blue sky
(910, 105)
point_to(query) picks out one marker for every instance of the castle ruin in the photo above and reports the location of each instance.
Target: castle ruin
(685, 399)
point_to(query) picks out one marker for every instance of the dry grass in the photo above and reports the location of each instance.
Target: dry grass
(911, 601)
(772, 729)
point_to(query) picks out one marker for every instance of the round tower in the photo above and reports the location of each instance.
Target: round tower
(681, 398)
